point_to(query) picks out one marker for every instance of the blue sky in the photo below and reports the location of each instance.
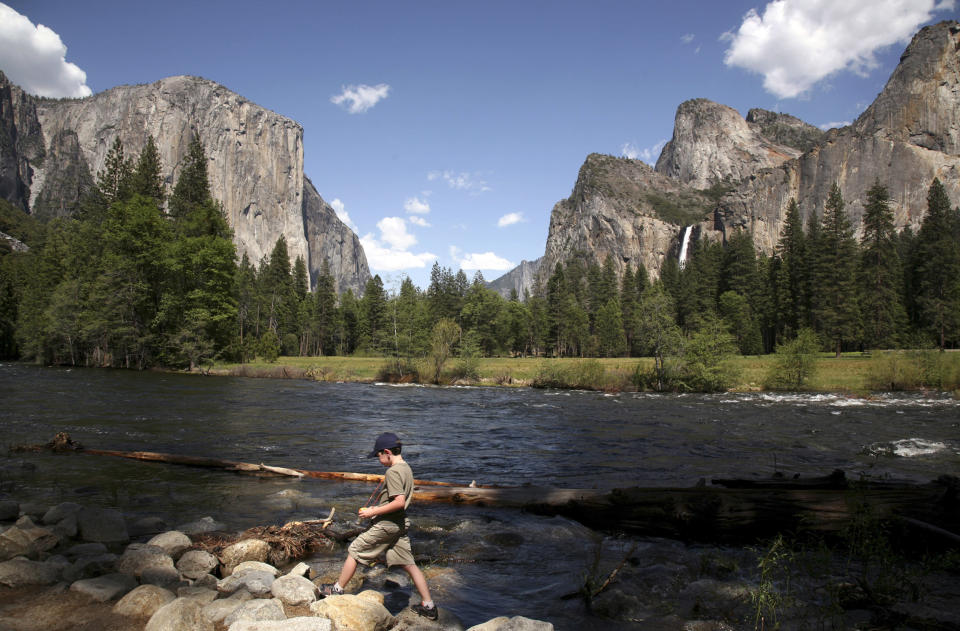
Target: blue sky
(446, 131)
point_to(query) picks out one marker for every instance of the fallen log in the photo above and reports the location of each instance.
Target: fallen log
(726, 515)
(728, 511)
(62, 443)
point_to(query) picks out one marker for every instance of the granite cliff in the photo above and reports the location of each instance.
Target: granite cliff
(721, 172)
(906, 138)
(255, 170)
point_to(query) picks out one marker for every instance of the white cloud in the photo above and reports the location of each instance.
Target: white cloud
(470, 182)
(342, 215)
(416, 206)
(357, 99)
(390, 252)
(686, 39)
(796, 43)
(482, 261)
(393, 230)
(419, 221)
(509, 219)
(648, 154)
(34, 58)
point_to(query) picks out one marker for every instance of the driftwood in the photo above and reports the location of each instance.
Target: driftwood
(726, 511)
(62, 443)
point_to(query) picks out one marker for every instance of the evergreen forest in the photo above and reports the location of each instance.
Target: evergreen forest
(138, 280)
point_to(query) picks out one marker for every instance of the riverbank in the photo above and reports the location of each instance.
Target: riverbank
(76, 567)
(858, 374)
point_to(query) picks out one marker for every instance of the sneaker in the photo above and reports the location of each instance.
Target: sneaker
(426, 612)
(330, 589)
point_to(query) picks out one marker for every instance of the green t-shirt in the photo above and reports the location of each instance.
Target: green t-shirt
(398, 481)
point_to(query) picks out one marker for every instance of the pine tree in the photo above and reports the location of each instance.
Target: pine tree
(113, 180)
(837, 311)
(146, 178)
(880, 273)
(375, 333)
(937, 271)
(325, 310)
(792, 274)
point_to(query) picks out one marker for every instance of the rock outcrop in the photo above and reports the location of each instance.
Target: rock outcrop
(622, 209)
(712, 143)
(51, 148)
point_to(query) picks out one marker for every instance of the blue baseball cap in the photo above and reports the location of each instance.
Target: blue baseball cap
(386, 440)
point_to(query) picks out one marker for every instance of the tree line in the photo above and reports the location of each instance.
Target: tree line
(126, 283)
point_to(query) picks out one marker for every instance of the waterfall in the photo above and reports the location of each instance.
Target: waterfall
(683, 246)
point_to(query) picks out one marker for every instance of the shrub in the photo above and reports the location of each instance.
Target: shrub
(399, 370)
(586, 374)
(706, 359)
(795, 362)
(269, 347)
(910, 370)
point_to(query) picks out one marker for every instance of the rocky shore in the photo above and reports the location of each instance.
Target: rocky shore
(76, 567)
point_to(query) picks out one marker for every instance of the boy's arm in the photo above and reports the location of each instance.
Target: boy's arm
(397, 503)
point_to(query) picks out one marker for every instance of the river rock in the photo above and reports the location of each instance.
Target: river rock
(86, 549)
(300, 623)
(182, 614)
(89, 566)
(517, 623)
(174, 542)
(360, 612)
(409, 620)
(258, 609)
(138, 557)
(254, 566)
(60, 512)
(166, 577)
(9, 510)
(300, 569)
(20, 572)
(144, 601)
(196, 563)
(104, 525)
(257, 582)
(34, 510)
(219, 609)
(67, 527)
(26, 539)
(294, 590)
(200, 526)
(246, 550)
(106, 587)
(204, 595)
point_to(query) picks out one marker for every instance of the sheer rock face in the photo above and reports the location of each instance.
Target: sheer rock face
(906, 138)
(329, 238)
(713, 143)
(21, 142)
(521, 278)
(255, 168)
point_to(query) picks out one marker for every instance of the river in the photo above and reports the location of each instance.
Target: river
(507, 562)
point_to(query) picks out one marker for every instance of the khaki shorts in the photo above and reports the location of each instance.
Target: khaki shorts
(383, 536)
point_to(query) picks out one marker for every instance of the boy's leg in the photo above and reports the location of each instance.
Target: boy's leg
(346, 573)
(419, 582)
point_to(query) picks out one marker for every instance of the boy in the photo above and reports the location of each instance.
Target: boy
(388, 530)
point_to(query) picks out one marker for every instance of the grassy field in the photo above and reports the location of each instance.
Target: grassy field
(853, 373)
